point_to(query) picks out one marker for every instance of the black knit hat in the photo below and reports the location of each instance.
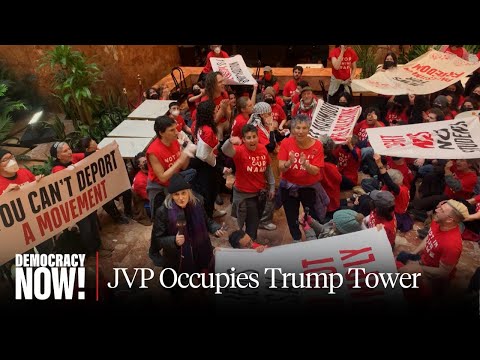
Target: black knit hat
(177, 183)
(4, 152)
(54, 149)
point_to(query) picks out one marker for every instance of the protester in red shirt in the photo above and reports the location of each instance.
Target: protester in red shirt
(349, 157)
(344, 64)
(458, 50)
(215, 52)
(11, 176)
(215, 91)
(268, 79)
(174, 114)
(460, 178)
(141, 204)
(400, 164)
(382, 212)
(291, 85)
(307, 103)
(253, 172)
(301, 161)
(245, 106)
(88, 226)
(278, 113)
(441, 249)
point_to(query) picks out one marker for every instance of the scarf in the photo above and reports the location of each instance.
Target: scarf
(256, 121)
(196, 251)
(306, 108)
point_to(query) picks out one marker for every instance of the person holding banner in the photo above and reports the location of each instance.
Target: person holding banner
(301, 161)
(88, 226)
(216, 52)
(253, 172)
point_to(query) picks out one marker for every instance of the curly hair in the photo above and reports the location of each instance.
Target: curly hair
(205, 115)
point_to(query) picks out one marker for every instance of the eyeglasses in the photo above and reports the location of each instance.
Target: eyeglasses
(4, 161)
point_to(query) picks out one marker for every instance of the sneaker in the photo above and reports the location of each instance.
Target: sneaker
(269, 226)
(219, 213)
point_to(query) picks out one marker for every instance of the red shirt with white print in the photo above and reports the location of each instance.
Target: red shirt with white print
(208, 65)
(278, 113)
(347, 165)
(393, 116)
(209, 137)
(180, 122)
(297, 174)
(390, 226)
(349, 57)
(442, 246)
(290, 87)
(23, 176)
(360, 129)
(166, 155)
(250, 168)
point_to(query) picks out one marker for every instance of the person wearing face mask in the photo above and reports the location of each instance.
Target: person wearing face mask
(269, 79)
(194, 98)
(469, 105)
(389, 62)
(152, 94)
(345, 99)
(174, 114)
(278, 113)
(11, 175)
(216, 52)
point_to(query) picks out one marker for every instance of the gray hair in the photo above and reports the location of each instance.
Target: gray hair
(192, 199)
(299, 119)
(396, 176)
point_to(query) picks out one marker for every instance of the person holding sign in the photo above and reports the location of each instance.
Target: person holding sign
(301, 161)
(88, 226)
(181, 230)
(253, 171)
(344, 62)
(216, 52)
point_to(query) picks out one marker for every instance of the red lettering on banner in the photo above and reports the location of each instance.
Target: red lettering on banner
(28, 233)
(355, 252)
(391, 141)
(422, 139)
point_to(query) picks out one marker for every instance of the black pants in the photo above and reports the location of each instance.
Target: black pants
(89, 233)
(346, 184)
(306, 196)
(205, 184)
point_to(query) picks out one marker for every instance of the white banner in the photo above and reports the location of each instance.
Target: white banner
(450, 139)
(234, 70)
(368, 249)
(335, 121)
(40, 210)
(430, 72)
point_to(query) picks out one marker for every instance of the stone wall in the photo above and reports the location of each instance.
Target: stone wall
(120, 64)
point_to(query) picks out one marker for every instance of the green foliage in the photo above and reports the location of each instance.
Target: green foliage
(73, 83)
(44, 169)
(7, 107)
(472, 49)
(366, 59)
(414, 52)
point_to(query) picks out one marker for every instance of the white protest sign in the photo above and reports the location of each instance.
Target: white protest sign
(335, 121)
(426, 74)
(234, 70)
(450, 139)
(40, 210)
(368, 249)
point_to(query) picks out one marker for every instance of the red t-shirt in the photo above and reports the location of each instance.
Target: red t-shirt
(331, 183)
(262, 137)
(393, 116)
(296, 98)
(76, 157)
(278, 113)
(180, 122)
(238, 125)
(209, 137)
(460, 52)
(468, 180)
(403, 168)
(250, 168)
(442, 246)
(23, 176)
(401, 200)
(297, 174)
(290, 88)
(139, 185)
(166, 155)
(349, 57)
(217, 101)
(347, 165)
(208, 65)
(360, 129)
(390, 226)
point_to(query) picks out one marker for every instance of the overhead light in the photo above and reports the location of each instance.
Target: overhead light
(35, 117)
